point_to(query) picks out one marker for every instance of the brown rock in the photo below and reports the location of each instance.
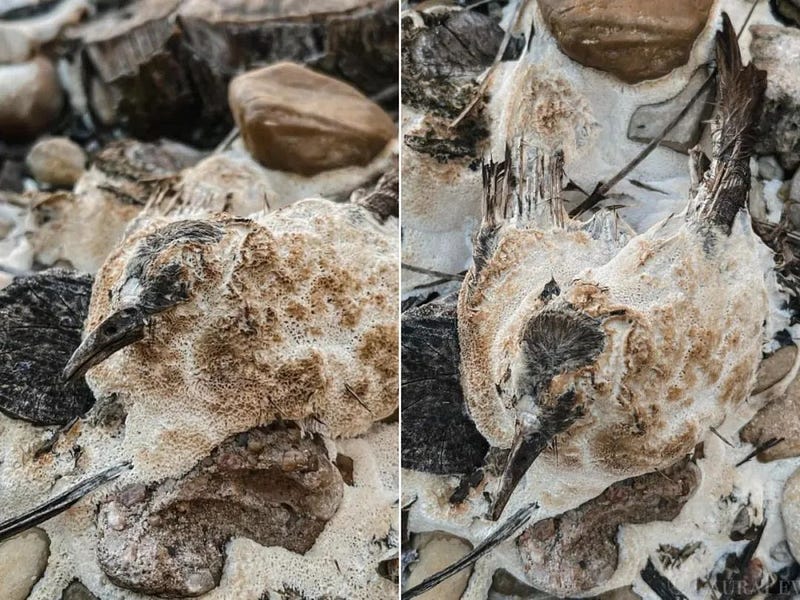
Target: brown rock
(56, 161)
(632, 39)
(778, 419)
(273, 486)
(773, 368)
(30, 98)
(23, 560)
(293, 119)
(577, 550)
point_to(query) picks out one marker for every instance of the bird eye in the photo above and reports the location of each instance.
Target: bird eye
(110, 329)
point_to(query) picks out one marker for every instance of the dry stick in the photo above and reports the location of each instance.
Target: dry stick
(770, 443)
(662, 586)
(59, 504)
(447, 276)
(504, 532)
(498, 57)
(602, 189)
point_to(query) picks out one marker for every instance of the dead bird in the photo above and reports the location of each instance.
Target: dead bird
(288, 315)
(630, 360)
(213, 325)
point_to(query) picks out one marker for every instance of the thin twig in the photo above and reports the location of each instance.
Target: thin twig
(440, 274)
(602, 189)
(227, 141)
(770, 443)
(504, 532)
(498, 57)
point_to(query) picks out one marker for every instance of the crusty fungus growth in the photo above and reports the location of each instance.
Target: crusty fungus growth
(650, 344)
(292, 313)
(274, 486)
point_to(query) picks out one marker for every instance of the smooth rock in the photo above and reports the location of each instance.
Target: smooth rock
(20, 38)
(437, 551)
(293, 119)
(773, 368)
(794, 188)
(769, 168)
(56, 161)
(30, 98)
(790, 510)
(786, 11)
(23, 560)
(77, 591)
(778, 419)
(632, 39)
(649, 121)
(776, 49)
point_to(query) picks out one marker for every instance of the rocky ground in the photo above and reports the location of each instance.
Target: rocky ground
(250, 130)
(598, 81)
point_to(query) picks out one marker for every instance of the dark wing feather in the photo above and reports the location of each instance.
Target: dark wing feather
(438, 436)
(41, 320)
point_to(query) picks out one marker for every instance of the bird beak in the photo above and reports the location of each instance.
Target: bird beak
(528, 445)
(531, 439)
(121, 329)
(59, 504)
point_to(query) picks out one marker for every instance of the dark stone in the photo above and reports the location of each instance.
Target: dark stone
(41, 320)
(278, 489)
(580, 545)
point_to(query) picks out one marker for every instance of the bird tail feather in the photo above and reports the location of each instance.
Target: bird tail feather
(740, 94)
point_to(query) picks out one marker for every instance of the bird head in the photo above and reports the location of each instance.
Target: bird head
(558, 339)
(158, 273)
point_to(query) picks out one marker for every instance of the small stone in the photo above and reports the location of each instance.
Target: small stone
(773, 368)
(790, 508)
(56, 161)
(775, 49)
(778, 419)
(649, 121)
(77, 591)
(794, 188)
(632, 39)
(30, 98)
(293, 119)
(769, 168)
(437, 551)
(22, 562)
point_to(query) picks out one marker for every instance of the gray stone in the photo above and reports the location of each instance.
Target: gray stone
(794, 188)
(649, 121)
(769, 168)
(77, 591)
(775, 49)
(23, 560)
